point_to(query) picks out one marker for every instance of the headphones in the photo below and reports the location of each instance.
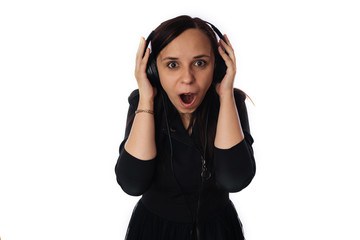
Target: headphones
(153, 76)
(152, 71)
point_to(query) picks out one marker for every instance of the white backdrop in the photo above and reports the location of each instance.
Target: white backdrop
(66, 69)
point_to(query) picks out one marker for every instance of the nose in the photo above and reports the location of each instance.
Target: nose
(187, 76)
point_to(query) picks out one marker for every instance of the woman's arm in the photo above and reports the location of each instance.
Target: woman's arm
(136, 165)
(133, 175)
(228, 131)
(141, 141)
(233, 155)
(235, 166)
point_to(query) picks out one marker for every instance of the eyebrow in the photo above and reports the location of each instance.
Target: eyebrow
(196, 57)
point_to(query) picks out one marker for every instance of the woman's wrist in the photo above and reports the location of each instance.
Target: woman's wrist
(146, 104)
(227, 96)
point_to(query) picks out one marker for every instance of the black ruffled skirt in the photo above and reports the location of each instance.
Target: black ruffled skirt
(144, 225)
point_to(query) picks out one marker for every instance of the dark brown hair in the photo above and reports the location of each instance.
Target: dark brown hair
(209, 108)
(172, 28)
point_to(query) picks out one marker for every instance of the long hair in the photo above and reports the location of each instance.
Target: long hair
(209, 108)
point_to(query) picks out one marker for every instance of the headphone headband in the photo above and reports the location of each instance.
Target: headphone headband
(152, 72)
(217, 31)
(148, 40)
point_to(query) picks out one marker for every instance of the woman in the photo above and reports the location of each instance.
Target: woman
(187, 142)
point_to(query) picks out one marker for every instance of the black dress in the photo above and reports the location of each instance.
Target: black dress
(177, 203)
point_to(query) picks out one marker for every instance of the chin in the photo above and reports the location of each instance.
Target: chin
(185, 110)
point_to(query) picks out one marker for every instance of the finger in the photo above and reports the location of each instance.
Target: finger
(140, 68)
(226, 46)
(228, 49)
(144, 60)
(141, 47)
(230, 63)
(142, 57)
(227, 53)
(140, 51)
(227, 40)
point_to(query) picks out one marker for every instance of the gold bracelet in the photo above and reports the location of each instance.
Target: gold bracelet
(145, 111)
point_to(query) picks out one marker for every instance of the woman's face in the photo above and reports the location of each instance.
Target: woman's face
(186, 67)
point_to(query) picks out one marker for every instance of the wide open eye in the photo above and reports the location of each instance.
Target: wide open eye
(172, 65)
(200, 63)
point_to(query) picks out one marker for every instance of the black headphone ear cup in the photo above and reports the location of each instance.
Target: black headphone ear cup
(220, 66)
(152, 72)
(219, 69)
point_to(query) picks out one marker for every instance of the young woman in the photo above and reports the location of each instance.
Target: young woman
(187, 141)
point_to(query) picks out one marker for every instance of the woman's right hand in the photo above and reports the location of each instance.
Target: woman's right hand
(146, 90)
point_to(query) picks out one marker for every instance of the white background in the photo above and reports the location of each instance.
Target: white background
(66, 70)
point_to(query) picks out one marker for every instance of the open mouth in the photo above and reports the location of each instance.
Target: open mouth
(187, 98)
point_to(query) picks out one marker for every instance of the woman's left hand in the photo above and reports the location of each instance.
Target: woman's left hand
(225, 87)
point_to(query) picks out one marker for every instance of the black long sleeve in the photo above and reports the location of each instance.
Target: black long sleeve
(133, 175)
(235, 167)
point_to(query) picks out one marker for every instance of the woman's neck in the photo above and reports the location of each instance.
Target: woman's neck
(186, 118)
